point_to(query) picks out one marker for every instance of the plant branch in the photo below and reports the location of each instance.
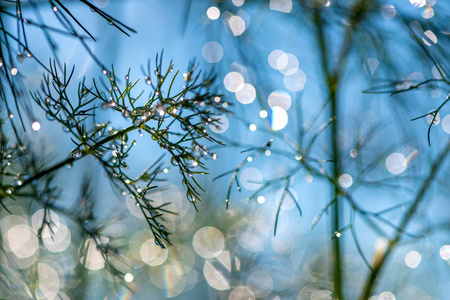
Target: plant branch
(332, 85)
(379, 264)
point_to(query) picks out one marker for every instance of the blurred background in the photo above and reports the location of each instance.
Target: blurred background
(269, 67)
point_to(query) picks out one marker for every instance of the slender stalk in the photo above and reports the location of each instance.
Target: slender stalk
(331, 82)
(379, 264)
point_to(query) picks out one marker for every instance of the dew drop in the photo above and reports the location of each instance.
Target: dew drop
(161, 227)
(105, 105)
(191, 199)
(136, 122)
(76, 154)
(20, 57)
(49, 116)
(214, 156)
(71, 122)
(174, 161)
(433, 115)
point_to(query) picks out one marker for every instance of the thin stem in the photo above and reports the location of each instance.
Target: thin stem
(336, 209)
(379, 264)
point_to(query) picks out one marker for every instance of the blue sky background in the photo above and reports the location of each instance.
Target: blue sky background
(253, 263)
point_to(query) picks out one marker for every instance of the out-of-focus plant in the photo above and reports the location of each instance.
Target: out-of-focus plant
(341, 36)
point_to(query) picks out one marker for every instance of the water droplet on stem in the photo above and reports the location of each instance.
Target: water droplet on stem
(76, 153)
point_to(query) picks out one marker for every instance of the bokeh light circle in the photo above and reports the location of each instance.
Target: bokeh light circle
(59, 240)
(386, 296)
(446, 124)
(280, 98)
(291, 65)
(288, 202)
(412, 259)
(94, 258)
(151, 254)
(213, 13)
(215, 276)
(208, 242)
(296, 81)
(278, 118)
(212, 52)
(444, 252)
(245, 93)
(251, 178)
(261, 283)
(48, 282)
(232, 81)
(396, 163)
(273, 58)
(22, 241)
(242, 292)
(168, 277)
(388, 11)
(237, 25)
